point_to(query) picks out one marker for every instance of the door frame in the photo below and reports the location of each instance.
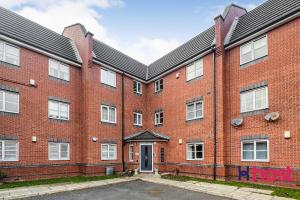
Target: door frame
(141, 144)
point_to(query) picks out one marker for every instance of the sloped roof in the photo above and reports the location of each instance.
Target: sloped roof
(263, 16)
(19, 28)
(147, 135)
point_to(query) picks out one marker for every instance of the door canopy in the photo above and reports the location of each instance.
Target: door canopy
(147, 136)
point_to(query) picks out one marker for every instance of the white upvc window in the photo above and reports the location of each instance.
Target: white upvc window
(137, 87)
(108, 114)
(108, 77)
(159, 118)
(137, 119)
(9, 53)
(131, 152)
(255, 150)
(108, 152)
(58, 110)
(9, 150)
(194, 110)
(256, 99)
(59, 70)
(253, 50)
(9, 101)
(195, 151)
(58, 151)
(158, 85)
(194, 70)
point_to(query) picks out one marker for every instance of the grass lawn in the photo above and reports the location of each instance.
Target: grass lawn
(75, 179)
(277, 191)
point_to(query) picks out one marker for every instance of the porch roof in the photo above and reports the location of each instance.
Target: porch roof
(147, 135)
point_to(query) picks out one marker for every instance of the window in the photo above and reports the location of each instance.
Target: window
(159, 118)
(256, 99)
(194, 151)
(159, 85)
(253, 50)
(256, 150)
(108, 114)
(162, 155)
(108, 151)
(59, 70)
(194, 110)
(58, 110)
(59, 151)
(9, 53)
(194, 70)
(9, 101)
(137, 87)
(131, 152)
(108, 77)
(137, 119)
(9, 150)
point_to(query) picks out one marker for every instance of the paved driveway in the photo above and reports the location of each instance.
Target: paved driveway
(130, 191)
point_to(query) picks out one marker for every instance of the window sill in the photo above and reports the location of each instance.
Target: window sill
(9, 160)
(5, 113)
(108, 159)
(138, 94)
(253, 62)
(261, 161)
(59, 160)
(158, 125)
(158, 92)
(108, 123)
(9, 65)
(195, 159)
(194, 120)
(138, 126)
(58, 79)
(59, 120)
(255, 112)
(108, 86)
(194, 79)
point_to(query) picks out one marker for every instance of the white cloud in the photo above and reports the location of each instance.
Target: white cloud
(55, 15)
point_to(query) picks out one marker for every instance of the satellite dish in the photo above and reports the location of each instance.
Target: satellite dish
(237, 122)
(273, 116)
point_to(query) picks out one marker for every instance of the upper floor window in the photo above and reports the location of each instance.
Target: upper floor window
(59, 151)
(108, 114)
(108, 152)
(58, 110)
(194, 70)
(253, 50)
(194, 110)
(9, 150)
(255, 150)
(59, 70)
(108, 77)
(255, 99)
(137, 87)
(9, 101)
(159, 118)
(9, 53)
(159, 85)
(194, 151)
(137, 119)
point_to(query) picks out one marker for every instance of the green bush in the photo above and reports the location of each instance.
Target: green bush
(2, 175)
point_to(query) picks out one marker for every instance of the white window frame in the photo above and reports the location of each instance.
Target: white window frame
(157, 85)
(59, 150)
(193, 65)
(3, 151)
(108, 114)
(254, 150)
(194, 111)
(108, 157)
(137, 117)
(4, 92)
(60, 66)
(131, 153)
(158, 118)
(252, 49)
(137, 87)
(113, 82)
(194, 144)
(254, 99)
(59, 110)
(4, 53)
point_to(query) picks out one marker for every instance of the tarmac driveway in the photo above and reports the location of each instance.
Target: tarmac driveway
(130, 191)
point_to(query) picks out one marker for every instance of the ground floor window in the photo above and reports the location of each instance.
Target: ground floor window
(255, 150)
(131, 153)
(59, 151)
(9, 150)
(194, 151)
(108, 151)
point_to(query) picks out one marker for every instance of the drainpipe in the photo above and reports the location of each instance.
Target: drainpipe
(123, 125)
(214, 114)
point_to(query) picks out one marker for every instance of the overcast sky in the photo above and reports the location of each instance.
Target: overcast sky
(143, 29)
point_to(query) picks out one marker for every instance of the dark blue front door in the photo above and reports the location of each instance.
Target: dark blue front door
(146, 157)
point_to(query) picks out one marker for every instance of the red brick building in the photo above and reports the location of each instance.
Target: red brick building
(224, 102)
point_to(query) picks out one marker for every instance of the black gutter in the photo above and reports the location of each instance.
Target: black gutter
(123, 124)
(214, 114)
